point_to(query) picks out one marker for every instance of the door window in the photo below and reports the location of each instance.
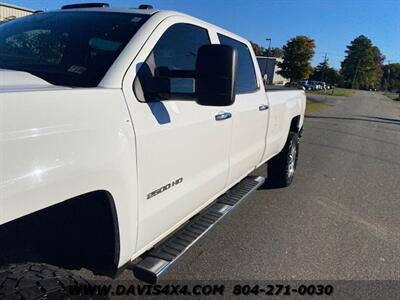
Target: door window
(176, 51)
(246, 77)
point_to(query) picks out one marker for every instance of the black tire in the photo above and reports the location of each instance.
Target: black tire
(37, 281)
(280, 173)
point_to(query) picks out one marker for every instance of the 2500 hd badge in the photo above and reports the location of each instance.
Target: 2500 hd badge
(164, 188)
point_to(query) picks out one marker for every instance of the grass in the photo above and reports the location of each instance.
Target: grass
(333, 92)
(393, 96)
(314, 106)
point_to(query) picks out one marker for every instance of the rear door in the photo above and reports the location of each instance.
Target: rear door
(250, 113)
(182, 151)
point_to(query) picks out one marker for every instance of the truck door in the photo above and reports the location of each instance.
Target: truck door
(182, 150)
(250, 114)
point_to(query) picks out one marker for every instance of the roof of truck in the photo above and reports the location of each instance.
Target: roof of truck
(114, 9)
(146, 12)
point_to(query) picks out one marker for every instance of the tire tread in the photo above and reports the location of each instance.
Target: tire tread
(36, 281)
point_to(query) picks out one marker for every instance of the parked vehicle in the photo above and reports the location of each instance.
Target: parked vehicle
(304, 84)
(322, 85)
(314, 85)
(127, 134)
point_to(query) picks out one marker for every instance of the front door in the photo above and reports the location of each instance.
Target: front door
(182, 150)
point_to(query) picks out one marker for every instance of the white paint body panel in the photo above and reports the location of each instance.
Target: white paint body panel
(284, 105)
(57, 143)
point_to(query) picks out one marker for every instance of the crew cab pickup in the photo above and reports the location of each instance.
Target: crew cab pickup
(125, 134)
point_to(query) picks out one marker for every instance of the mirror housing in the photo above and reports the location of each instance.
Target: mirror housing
(216, 72)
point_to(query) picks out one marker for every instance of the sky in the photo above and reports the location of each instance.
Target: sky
(333, 24)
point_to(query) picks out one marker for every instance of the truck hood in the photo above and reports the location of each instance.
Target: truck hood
(16, 81)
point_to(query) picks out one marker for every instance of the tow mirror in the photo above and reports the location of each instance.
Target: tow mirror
(216, 72)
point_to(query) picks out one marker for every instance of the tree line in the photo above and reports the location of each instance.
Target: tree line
(362, 68)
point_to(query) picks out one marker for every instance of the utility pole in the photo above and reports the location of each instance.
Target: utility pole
(269, 45)
(388, 77)
(355, 74)
(324, 71)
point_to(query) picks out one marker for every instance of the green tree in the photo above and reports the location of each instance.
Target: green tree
(391, 76)
(261, 51)
(324, 72)
(297, 55)
(363, 64)
(273, 52)
(258, 50)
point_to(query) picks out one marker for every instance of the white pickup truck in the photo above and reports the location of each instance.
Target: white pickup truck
(125, 134)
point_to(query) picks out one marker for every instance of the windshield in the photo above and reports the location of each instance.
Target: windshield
(67, 48)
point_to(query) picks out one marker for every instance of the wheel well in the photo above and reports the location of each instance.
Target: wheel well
(80, 232)
(295, 124)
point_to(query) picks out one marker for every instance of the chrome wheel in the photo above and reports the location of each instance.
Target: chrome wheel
(282, 167)
(292, 161)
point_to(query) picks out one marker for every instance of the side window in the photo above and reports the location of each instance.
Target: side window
(246, 80)
(175, 51)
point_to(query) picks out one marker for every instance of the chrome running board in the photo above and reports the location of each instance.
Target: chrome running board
(160, 258)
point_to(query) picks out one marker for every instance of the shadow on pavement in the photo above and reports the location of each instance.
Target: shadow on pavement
(374, 119)
(268, 185)
(384, 119)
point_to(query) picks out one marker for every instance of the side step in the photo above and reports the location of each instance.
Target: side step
(157, 260)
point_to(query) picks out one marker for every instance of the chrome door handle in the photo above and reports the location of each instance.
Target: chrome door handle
(223, 116)
(263, 107)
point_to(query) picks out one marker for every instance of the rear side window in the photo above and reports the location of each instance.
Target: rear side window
(246, 80)
(175, 51)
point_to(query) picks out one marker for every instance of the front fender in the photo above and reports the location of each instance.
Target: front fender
(56, 145)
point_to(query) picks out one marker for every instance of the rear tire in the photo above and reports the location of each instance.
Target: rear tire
(282, 167)
(37, 281)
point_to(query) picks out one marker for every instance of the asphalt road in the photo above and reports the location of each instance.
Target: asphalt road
(339, 220)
